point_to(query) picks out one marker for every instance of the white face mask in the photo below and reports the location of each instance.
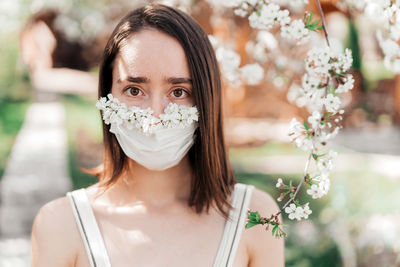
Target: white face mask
(157, 144)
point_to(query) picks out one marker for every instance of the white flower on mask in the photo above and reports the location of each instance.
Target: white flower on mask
(115, 112)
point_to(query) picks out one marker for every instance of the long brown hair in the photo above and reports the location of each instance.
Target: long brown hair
(213, 178)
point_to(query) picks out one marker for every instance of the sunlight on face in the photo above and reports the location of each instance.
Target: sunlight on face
(151, 70)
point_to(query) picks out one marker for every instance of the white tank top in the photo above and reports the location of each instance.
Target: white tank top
(96, 250)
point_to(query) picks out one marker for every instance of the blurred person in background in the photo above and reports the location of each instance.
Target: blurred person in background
(55, 63)
(169, 198)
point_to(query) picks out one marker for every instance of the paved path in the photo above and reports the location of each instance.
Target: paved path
(382, 140)
(388, 165)
(36, 172)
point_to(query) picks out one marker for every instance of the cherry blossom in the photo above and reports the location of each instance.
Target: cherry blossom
(174, 115)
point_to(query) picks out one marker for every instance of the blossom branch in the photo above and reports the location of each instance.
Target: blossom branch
(322, 65)
(321, 12)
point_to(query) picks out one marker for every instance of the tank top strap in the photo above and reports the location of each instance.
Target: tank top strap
(88, 228)
(234, 226)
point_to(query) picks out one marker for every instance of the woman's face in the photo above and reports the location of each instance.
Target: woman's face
(151, 70)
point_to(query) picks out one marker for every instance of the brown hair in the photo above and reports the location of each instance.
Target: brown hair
(213, 178)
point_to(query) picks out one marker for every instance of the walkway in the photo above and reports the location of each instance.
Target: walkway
(37, 172)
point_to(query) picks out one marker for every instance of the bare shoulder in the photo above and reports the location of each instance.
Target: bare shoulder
(263, 248)
(54, 235)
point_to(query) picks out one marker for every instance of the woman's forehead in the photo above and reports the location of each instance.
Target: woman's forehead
(152, 50)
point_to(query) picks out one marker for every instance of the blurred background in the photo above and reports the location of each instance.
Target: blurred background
(49, 125)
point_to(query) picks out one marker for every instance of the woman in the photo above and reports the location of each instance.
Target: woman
(165, 192)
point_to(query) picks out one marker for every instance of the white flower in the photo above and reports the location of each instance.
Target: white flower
(324, 165)
(389, 47)
(304, 143)
(101, 104)
(315, 191)
(325, 136)
(295, 212)
(296, 31)
(300, 135)
(265, 17)
(348, 85)
(115, 112)
(295, 127)
(291, 210)
(230, 61)
(240, 12)
(267, 39)
(228, 58)
(315, 119)
(306, 211)
(318, 60)
(344, 61)
(213, 40)
(279, 183)
(332, 103)
(310, 83)
(298, 212)
(324, 185)
(252, 73)
(283, 17)
(395, 31)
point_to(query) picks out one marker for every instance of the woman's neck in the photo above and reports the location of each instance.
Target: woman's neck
(153, 190)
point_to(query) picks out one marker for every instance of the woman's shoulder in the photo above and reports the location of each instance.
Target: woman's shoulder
(263, 202)
(260, 200)
(54, 236)
(264, 249)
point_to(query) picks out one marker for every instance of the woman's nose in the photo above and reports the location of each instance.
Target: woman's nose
(157, 104)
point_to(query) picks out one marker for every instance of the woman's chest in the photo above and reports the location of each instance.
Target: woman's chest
(171, 241)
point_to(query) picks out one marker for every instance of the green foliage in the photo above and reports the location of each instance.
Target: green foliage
(312, 25)
(254, 219)
(81, 115)
(306, 125)
(353, 44)
(11, 119)
(14, 78)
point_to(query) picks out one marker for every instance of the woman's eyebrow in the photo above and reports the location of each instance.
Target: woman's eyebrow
(171, 80)
(175, 80)
(135, 79)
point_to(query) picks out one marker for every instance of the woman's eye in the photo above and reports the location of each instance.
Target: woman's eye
(178, 92)
(134, 91)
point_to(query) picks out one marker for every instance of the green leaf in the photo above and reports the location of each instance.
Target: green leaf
(306, 125)
(274, 229)
(251, 224)
(281, 233)
(310, 18)
(254, 216)
(315, 23)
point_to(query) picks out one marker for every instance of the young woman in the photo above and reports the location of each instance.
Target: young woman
(166, 194)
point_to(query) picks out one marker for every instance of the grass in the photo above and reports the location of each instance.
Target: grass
(268, 149)
(11, 119)
(15, 95)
